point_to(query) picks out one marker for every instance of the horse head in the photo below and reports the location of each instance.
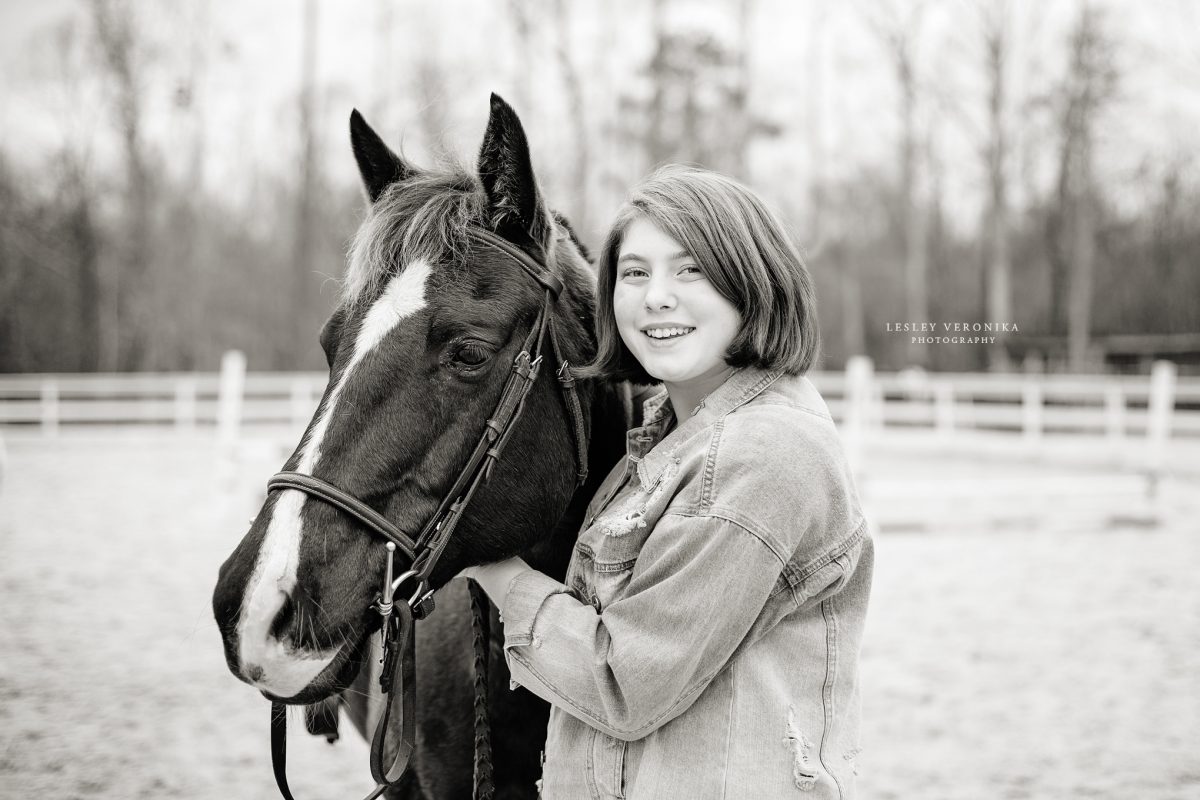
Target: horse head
(419, 349)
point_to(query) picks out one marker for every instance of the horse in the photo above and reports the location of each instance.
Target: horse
(419, 349)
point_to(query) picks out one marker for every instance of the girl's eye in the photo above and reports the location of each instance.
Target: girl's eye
(471, 355)
(632, 272)
(691, 269)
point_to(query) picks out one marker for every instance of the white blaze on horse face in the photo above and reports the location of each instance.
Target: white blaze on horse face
(285, 670)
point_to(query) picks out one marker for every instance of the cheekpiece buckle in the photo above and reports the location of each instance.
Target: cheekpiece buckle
(421, 600)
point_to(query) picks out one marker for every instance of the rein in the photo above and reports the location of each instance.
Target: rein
(394, 739)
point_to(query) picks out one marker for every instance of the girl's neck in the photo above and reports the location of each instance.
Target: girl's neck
(687, 398)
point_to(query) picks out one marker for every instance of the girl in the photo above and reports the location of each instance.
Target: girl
(705, 643)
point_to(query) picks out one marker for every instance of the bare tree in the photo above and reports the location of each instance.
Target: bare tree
(740, 116)
(997, 38)
(185, 249)
(81, 242)
(898, 30)
(656, 137)
(816, 124)
(828, 227)
(1089, 86)
(305, 235)
(116, 37)
(576, 116)
(385, 48)
(429, 86)
(520, 12)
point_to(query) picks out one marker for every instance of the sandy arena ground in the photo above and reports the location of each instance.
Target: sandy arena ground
(1009, 664)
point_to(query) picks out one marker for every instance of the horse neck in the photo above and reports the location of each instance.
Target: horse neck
(610, 420)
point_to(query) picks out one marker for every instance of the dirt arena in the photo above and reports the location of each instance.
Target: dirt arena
(1009, 664)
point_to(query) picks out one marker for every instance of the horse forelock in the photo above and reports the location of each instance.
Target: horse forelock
(427, 218)
(424, 218)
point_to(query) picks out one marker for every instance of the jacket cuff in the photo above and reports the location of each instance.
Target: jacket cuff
(522, 601)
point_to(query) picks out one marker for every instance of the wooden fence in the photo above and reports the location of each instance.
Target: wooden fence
(234, 402)
(1122, 428)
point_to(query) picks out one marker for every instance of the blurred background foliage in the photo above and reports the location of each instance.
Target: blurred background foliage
(176, 179)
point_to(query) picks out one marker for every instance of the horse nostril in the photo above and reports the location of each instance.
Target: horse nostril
(254, 672)
(283, 619)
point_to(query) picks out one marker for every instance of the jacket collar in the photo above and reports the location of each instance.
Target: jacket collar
(652, 450)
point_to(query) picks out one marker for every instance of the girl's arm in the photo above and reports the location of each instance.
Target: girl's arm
(698, 587)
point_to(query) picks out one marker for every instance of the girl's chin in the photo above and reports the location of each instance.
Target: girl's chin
(672, 375)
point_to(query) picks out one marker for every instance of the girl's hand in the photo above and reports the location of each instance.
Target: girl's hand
(495, 578)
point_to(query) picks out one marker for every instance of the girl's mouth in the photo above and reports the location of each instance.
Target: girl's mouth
(660, 334)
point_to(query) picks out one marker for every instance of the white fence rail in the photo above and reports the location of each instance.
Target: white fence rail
(1159, 407)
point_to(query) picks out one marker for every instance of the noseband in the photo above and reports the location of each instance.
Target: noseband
(389, 759)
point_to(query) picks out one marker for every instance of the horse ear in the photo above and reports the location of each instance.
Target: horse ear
(379, 166)
(514, 202)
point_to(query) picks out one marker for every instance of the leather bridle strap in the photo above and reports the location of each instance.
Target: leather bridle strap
(566, 380)
(347, 502)
(279, 748)
(389, 759)
(547, 279)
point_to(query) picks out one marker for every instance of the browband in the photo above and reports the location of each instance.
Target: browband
(551, 283)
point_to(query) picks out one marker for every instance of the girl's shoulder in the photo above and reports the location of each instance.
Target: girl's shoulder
(787, 426)
(776, 465)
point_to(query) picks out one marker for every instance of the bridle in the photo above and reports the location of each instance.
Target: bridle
(390, 757)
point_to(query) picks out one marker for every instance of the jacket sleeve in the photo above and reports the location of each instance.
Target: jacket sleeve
(698, 586)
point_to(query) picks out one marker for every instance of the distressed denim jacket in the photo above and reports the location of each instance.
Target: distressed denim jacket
(705, 644)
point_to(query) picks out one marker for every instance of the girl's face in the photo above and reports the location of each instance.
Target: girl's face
(670, 317)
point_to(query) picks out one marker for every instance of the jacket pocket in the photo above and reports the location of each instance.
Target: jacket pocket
(607, 769)
(612, 567)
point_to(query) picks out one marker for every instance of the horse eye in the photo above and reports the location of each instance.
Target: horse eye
(471, 355)
(329, 335)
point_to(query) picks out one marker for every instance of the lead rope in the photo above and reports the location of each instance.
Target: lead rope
(481, 627)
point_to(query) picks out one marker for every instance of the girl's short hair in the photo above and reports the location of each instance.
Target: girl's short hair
(745, 254)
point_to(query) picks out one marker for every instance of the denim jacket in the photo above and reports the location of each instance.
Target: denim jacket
(705, 644)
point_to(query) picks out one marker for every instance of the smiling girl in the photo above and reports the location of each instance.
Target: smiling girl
(705, 643)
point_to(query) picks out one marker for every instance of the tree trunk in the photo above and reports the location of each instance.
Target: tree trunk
(116, 37)
(657, 149)
(1091, 81)
(519, 12)
(1083, 270)
(740, 115)
(853, 318)
(916, 256)
(86, 248)
(304, 255)
(576, 118)
(998, 269)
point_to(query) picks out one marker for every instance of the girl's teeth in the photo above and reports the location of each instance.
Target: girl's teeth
(668, 333)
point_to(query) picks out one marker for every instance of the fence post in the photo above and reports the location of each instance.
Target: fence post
(229, 401)
(1114, 413)
(1158, 423)
(185, 403)
(943, 406)
(1031, 410)
(50, 407)
(859, 371)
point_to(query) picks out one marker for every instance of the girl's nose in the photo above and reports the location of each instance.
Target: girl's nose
(659, 295)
